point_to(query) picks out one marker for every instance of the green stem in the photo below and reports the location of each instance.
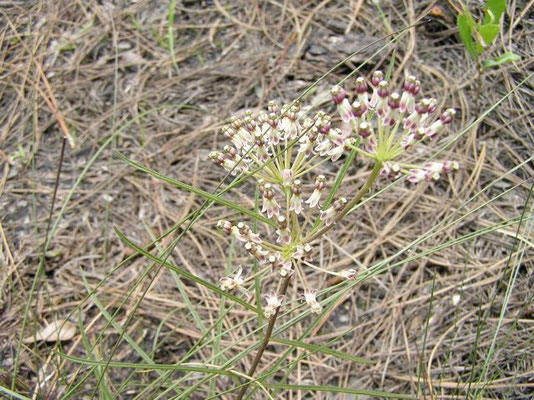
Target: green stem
(350, 204)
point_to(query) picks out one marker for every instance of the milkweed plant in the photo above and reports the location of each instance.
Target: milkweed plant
(282, 149)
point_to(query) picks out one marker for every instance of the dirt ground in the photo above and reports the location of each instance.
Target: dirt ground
(107, 76)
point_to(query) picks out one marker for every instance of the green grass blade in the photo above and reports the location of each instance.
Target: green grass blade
(199, 192)
(184, 273)
(321, 349)
(99, 373)
(13, 394)
(336, 389)
(143, 366)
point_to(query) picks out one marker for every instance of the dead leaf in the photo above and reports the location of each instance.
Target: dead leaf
(58, 330)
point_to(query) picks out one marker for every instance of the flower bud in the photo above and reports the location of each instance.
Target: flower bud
(349, 274)
(338, 94)
(295, 203)
(287, 177)
(225, 226)
(378, 76)
(364, 130)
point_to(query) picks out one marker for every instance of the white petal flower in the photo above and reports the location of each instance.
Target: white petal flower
(273, 302)
(287, 177)
(310, 298)
(236, 282)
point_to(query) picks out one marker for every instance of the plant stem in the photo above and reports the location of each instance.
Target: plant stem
(266, 338)
(350, 204)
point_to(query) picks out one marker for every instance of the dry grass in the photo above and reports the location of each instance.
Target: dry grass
(104, 76)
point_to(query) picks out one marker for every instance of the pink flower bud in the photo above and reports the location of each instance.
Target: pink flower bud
(338, 94)
(361, 85)
(349, 274)
(378, 76)
(364, 130)
(225, 226)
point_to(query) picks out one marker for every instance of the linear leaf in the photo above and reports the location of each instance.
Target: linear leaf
(325, 350)
(184, 273)
(336, 389)
(192, 189)
(148, 367)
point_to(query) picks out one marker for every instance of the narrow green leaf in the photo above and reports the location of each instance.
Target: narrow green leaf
(321, 349)
(465, 34)
(337, 184)
(336, 389)
(493, 11)
(12, 393)
(489, 32)
(503, 59)
(105, 392)
(184, 273)
(148, 367)
(200, 192)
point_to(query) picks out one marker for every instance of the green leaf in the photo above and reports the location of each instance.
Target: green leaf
(503, 59)
(465, 34)
(337, 389)
(493, 11)
(488, 32)
(325, 350)
(184, 273)
(12, 394)
(200, 192)
(147, 367)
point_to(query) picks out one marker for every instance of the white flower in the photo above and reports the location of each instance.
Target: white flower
(303, 252)
(310, 298)
(419, 175)
(273, 302)
(314, 198)
(243, 233)
(408, 141)
(328, 216)
(316, 195)
(237, 281)
(295, 203)
(349, 274)
(256, 251)
(270, 205)
(284, 235)
(345, 110)
(287, 177)
(286, 269)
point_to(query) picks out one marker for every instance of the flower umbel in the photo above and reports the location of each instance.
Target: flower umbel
(282, 147)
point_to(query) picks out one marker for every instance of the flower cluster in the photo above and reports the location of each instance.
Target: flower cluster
(387, 124)
(280, 148)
